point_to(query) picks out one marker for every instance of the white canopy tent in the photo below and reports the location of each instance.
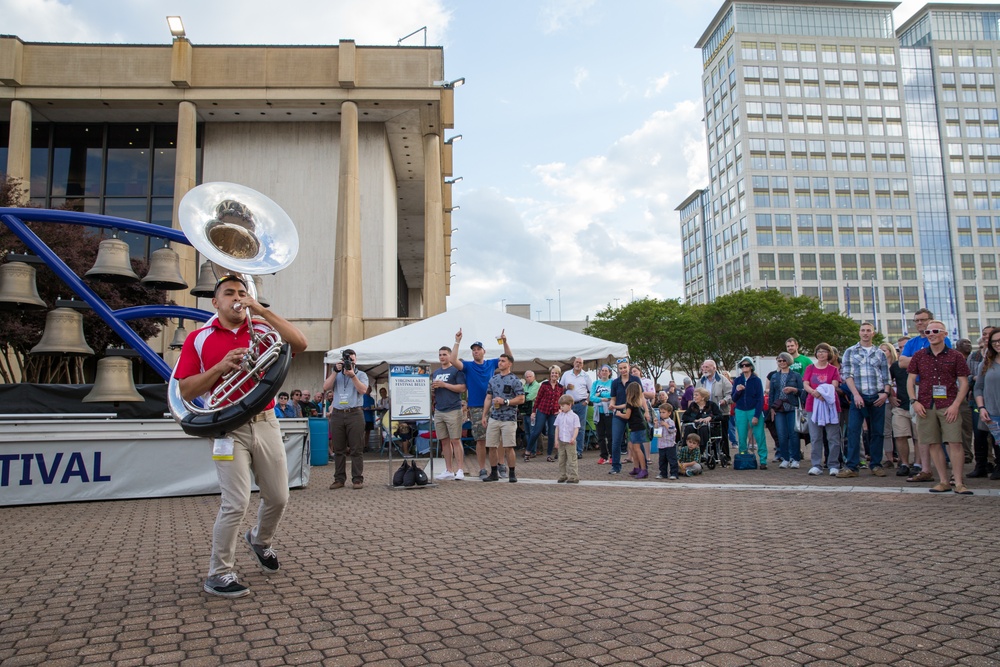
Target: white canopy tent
(535, 345)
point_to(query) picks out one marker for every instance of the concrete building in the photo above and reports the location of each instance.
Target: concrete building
(848, 160)
(349, 140)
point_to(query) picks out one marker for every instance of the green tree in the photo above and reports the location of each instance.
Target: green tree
(758, 322)
(669, 334)
(77, 246)
(641, 326)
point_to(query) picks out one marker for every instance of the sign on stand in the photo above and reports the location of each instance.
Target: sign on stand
(410, 401)
(409, 393)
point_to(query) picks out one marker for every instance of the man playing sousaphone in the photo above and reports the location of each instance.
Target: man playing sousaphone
(209, 354)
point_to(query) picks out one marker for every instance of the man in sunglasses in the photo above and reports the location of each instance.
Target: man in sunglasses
(921, 469)
(866, 373)
(944, 382)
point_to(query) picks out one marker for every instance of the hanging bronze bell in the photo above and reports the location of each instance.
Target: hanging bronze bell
(18, 288)
(164, 271)
(179, 335)
(113, 383)
(205, 288)
(63, 334)
(112, 264)
(261, 299)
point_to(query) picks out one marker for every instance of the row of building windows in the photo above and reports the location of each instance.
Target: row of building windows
(120, 169)
(965, 57)
(869, 76)
(846, 54)
(765, 199)
(841, 184)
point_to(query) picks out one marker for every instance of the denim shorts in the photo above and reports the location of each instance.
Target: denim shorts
(637, 437)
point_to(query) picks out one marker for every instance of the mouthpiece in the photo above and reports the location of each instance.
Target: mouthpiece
(237, 307)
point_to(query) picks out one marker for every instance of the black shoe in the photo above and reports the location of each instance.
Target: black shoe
(995, 475)
(226, 586)
(511, 477)
(266, 558)
(903, 470)
(978, 471)
(492, 477)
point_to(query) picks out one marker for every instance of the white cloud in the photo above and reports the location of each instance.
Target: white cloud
(558, 15)
(658, 84)
(605, 229)
(46, 20)
(580, 74)
(372, 22)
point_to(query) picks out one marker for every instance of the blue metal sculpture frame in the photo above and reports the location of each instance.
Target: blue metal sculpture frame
(15, 219)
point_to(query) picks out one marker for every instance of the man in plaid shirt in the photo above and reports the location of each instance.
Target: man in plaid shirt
(866, 373)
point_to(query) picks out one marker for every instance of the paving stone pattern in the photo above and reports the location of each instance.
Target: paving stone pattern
(523, 574)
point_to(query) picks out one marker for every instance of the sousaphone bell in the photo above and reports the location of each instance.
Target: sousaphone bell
(241, 231)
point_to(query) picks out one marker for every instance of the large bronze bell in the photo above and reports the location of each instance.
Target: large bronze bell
(164, 271)
(112, 264)
(179, 335)
(18, 288)
(205, 288)
(63, 334)
(113, 383)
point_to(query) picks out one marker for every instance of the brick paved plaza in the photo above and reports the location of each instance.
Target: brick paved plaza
(713, 572)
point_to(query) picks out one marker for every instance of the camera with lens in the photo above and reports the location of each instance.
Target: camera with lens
(345, 361)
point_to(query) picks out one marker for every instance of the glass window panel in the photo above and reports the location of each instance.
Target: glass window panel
(129, 160)
(76, 160)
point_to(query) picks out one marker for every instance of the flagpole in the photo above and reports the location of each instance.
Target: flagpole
(874, 306)
(902, 311)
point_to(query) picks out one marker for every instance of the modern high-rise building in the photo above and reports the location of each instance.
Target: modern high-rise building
(850, 161)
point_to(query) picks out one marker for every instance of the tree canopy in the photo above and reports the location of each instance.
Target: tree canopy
(20, 330)
(670, 334)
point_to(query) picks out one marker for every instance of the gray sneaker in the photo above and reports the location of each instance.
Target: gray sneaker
(501, 470)
(484, 473)
(226, 586)
(266, 557)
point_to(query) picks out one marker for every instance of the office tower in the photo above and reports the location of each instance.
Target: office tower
(841, 164)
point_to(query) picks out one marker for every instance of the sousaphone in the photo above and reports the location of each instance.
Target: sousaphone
(240, 231)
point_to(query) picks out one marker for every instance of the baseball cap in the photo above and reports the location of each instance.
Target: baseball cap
(477, 344)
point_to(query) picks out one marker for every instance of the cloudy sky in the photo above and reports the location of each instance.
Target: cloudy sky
(580, 122)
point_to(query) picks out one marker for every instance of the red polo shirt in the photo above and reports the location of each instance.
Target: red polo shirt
(941, 369)
(205, 347)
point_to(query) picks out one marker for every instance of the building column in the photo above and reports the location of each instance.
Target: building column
(348, 318)
(185, 173)
(434, 297)
(19, 146)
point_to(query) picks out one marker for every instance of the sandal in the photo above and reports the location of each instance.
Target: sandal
(922, 476)
(963, 490)
(941, 488)
(550, 459)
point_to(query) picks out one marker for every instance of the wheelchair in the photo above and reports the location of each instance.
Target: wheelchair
(712, 453)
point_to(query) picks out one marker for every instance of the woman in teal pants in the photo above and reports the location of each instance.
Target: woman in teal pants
(748, 394)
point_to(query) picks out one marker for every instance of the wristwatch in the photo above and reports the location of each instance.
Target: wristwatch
(506, 401)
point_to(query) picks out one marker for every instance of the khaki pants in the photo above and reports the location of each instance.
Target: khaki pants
(569, 466)
(257, 449)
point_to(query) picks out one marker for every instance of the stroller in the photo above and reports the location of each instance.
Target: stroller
(712, 454)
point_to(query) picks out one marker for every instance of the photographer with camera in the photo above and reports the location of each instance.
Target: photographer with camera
(347, 420)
